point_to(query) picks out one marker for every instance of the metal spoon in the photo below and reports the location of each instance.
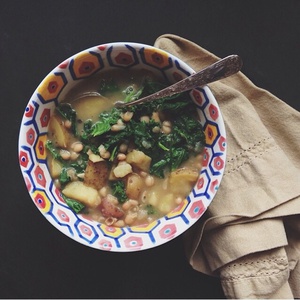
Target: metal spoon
(218, 70)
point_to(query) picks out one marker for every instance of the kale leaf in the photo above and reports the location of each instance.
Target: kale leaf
(132, 94)
(68, 113)
(106, 119)
(107, 85)
(75, 205)
(150, 209)
(64, 178)
(118, 190)
(53, 151)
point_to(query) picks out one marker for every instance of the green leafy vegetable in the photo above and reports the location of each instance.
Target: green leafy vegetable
(150, 209)
(79, 165)
(107, 85)
(132, 94)
(113, 154)
(167, 151)
(157, 168)
(99, 128)
(106, 119)
(75, 205)
(64, 178)
(118, 190)
(178, 155)
(53, 151)
(67, 112)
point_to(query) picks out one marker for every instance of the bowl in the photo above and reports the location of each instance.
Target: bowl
(33, 136)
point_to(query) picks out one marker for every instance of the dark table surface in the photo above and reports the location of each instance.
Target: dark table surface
(36, 260)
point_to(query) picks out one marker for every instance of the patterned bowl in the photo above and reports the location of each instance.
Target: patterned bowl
(33, 135)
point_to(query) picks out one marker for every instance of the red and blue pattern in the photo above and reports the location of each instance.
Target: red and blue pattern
(33, 135)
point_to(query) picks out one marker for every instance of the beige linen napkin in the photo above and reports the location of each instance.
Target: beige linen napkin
(250, 234)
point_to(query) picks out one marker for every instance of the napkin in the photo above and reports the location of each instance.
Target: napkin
(250, 234)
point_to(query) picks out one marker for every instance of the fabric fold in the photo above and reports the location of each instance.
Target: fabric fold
(260, 191)
(259, 275)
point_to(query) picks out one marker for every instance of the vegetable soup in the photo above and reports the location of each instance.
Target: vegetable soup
(124, 166)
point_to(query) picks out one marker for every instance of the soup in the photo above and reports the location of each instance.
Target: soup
(124, 166)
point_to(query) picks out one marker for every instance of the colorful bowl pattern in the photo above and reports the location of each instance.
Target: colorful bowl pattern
(32, 152)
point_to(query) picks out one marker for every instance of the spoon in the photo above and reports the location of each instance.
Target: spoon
(218, 70)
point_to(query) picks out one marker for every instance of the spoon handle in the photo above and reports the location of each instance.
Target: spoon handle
(218, 70)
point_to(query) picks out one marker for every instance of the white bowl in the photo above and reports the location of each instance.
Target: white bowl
(33, 135)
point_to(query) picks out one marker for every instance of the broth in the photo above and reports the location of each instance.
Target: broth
(124, 167)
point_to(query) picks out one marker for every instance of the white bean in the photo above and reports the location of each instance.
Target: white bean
(129, 203)
(149, 180)
(130, 218)
(106, 155)
(155, 117)
(127, 116)
(77, 146)
(65, 154)
(68, 124)
(156, 129)
(178, 200)
(117, 127)
(74, 155)
(103, 152)
(101, 149)
(120, 122)
(123, 148)
(143, 174)
(145, 119)
(166, 127)
(121, 156)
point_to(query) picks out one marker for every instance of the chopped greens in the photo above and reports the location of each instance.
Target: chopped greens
(132, 94)
(106, 119)
(75, 205)
(64, 178)
(107, 86)
(167, 151)
(68, 113)
(51, 148)
(150, 209)
(118, 190)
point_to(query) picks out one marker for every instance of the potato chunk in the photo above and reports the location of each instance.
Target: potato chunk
(182, 180)
(87, 195)
(166, 203)
(122, 169)
(96, 174)
(58, 132)
(54, 167)
(134, 186)
(139, 160)
(110, 209)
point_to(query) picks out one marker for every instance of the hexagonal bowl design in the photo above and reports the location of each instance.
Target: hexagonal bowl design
(33, 135)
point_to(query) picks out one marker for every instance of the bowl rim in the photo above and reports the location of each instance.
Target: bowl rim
(131, 232)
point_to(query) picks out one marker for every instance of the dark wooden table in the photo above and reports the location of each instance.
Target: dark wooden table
(36, 260)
